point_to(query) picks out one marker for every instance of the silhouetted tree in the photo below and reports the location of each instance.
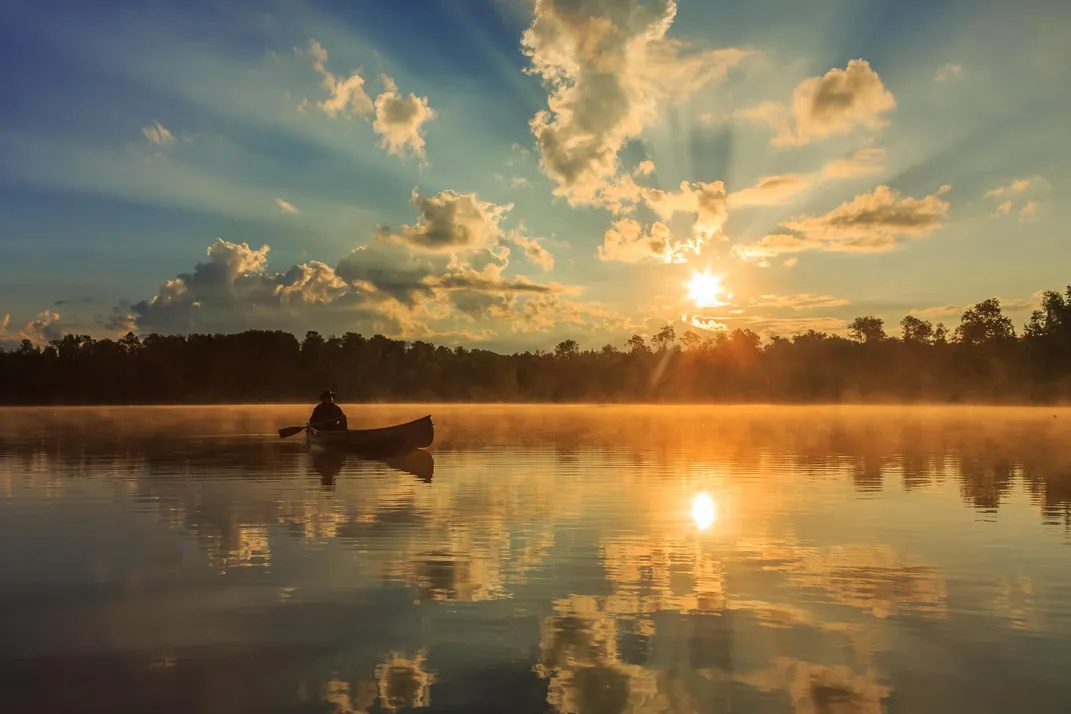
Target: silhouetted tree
(916, 331)
(867, 329)
(982, 360)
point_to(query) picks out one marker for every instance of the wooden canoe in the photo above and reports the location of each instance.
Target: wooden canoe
(385, 441)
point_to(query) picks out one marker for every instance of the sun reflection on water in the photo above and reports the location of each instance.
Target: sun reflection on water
(704, 511)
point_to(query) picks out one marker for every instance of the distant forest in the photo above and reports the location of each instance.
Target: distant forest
(982, 360)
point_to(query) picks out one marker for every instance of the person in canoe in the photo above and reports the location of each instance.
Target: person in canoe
(328, 416)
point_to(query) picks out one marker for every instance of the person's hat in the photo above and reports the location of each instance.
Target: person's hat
(327, 393)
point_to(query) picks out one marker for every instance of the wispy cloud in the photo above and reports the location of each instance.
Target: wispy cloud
(343, 93)
(864, 162)
(871, 222)
(285, 206)
(1014, 192)
(948, 72)
(803, 301)
(158, 135)
(771, 190)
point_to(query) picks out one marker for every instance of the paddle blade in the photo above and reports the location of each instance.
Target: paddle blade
(289, 431)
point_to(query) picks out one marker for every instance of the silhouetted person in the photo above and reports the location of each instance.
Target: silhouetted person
(328, 416)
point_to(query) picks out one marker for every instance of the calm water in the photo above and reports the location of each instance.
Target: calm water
(572, 559)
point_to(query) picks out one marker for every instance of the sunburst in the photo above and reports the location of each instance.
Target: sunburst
(704, 289)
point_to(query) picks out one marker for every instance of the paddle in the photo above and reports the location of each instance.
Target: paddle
(287, 432)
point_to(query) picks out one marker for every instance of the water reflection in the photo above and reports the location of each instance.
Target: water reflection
(704, 511)
(572, 559)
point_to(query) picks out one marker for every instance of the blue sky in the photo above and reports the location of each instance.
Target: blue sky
(510, 173)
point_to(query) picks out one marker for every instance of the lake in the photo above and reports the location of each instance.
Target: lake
(604, 560)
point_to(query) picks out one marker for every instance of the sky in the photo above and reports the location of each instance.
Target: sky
(511, 173)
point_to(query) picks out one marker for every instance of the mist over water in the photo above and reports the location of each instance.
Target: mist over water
(574, 559)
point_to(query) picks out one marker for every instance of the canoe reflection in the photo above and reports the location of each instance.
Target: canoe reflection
(329, 462)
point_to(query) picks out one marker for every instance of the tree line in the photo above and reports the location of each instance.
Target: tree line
(982, 360)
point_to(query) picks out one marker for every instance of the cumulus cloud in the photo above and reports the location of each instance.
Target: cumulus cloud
(156, 134)
(871, 222)
(792, 262)
(285, 206)
(1029, 210)
(864, 162)
(234, 287)
(451, 221)
(607, 66)
(948, 72)
(418, 281)
(837, 103)
(771, 190)
(43, 328)
(400, 120)
(627, 241)
(345, 94)
(534, 252)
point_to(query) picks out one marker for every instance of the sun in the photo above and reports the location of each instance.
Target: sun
(704, 289)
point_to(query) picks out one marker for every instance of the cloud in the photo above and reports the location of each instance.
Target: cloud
(1015, 191)
(544, 312)
(421, 281)
(864, 162)
(607, 66)
(792, 262)
(770, 326)
(285, 206)
(778, 189)
(772, 245)
(711, 324)
(706, 201)
(156, 134)
(871, 222)
(627, 240)
(400, 120)
(534, 252)
(1012, 189)
(771, 190)
(644, 168)
(42, 329)
(345, 94)
(804, 301)
(451, 221)
(519, 182)
(948, 72)
(837, 103)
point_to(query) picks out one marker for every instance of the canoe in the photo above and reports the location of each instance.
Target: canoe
(388, 440)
